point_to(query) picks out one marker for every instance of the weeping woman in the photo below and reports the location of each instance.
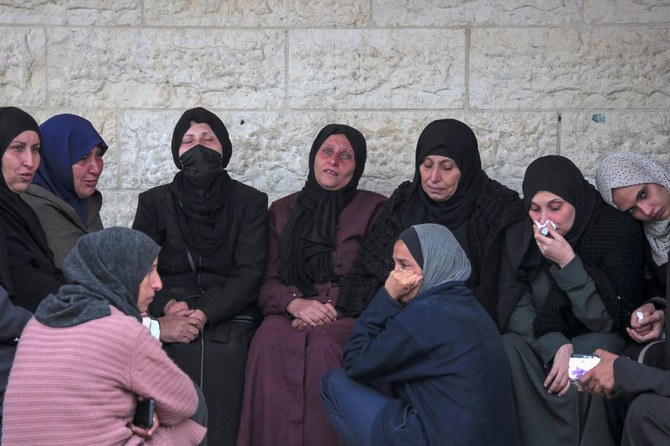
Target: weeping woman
(213, 236)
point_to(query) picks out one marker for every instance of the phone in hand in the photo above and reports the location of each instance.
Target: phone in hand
(580, 364)
(144, 413)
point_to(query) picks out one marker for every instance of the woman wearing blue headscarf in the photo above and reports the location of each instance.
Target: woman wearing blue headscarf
(63, 193)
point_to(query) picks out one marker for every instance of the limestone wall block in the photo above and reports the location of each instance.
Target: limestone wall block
(547, 68)
(270, 13)
(486, 12)
(73, 12)
(118, 208)
(588, 136)
(626, 11)
(165, 68)
(509, 142)
(23, 67)
(376, 69)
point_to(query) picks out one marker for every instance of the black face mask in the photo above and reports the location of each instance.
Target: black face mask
(201, 165)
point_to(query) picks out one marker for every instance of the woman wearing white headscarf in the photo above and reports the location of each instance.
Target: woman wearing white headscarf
(640, 185)
(426, 336)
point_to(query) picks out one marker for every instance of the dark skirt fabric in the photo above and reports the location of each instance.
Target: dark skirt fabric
(576, 418)
(215, 362)
(298, 360)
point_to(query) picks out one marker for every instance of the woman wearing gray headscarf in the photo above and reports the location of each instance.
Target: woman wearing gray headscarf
(426, 336)
(85, 358)
(640, 185)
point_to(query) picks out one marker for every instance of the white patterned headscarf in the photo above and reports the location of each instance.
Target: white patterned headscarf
(628, 169)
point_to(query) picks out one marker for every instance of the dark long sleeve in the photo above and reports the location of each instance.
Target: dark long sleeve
(31, 269)
(241, 288)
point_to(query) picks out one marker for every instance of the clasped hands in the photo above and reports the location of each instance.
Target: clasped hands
(310, 313)
(181, 324)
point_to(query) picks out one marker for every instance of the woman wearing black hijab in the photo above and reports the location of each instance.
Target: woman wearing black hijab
(315, 235)
(585, 276)
(451, 189)
(213, 236)
(31, 264)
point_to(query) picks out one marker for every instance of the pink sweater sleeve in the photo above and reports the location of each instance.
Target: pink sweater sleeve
(154, 375)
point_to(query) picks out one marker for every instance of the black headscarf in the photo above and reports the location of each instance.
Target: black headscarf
(455, 140)
(310, 236)
(104, 268)
(560, 176)
(202, 213)
(15, 212)
(594, 230)
(13, 122)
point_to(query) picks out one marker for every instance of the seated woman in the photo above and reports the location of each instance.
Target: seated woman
(449, 380)
(63, 193)
(449, 188)
(314, 238)
(12, 321)
(639, 185)
(585, 277)
(85, 358)
(646, 389)
(213, 236)
(31, 266)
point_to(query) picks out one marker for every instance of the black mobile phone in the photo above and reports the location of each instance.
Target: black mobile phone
(144, 413)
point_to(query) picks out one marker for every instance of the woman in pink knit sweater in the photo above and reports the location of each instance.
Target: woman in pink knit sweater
(85, 358)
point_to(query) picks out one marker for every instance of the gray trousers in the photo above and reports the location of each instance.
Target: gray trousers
(647, 421)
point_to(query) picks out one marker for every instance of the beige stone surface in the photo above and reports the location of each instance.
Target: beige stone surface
(72, 12)
(118, 207)
(478, 12)
(548, 68)
(588, 136)
(627, 11)
(165, 68)
(379, 69)
(258, 14)
(23, 66)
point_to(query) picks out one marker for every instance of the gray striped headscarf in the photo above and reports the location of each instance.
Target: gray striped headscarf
(443, 259)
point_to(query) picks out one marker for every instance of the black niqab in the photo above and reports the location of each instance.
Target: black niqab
(202, 212)
(310, 236)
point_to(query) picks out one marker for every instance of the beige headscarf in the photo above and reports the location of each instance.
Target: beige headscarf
(628, 169)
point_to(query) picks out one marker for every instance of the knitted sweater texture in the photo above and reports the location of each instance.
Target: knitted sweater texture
(78, 386)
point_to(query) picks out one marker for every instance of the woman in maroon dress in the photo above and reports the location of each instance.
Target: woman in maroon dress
(314, 239)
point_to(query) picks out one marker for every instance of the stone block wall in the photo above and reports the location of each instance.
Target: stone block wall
(579, 78)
